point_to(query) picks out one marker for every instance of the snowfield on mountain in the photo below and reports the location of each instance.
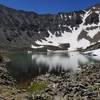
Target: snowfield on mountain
(62, 31)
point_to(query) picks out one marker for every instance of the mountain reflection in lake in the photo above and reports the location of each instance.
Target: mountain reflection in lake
(27, 66)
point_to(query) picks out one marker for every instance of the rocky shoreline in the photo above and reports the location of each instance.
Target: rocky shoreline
(81, 85)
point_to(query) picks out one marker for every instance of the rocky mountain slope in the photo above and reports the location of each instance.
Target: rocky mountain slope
(20, 29)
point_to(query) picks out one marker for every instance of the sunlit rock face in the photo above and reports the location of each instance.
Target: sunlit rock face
(62, 31)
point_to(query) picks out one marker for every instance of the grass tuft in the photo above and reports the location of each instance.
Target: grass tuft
(37, 87)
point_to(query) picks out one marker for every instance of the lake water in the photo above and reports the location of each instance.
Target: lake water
(23, 66)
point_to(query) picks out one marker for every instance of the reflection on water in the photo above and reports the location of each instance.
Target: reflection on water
(26, 66)
(65, 60)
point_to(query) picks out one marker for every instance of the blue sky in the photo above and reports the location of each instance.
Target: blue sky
(49, 6)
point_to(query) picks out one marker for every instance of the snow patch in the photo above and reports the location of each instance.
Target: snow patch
(72, 37)
(35, 47)
(94, 53)
(92, 33)
(61, 16)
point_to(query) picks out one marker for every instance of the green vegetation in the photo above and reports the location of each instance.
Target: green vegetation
(37, 87)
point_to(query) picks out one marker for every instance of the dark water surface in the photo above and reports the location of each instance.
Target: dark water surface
(23, 66)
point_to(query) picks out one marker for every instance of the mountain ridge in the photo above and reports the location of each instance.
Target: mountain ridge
(74, 30)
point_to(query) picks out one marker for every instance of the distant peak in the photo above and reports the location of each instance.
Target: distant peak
(97, 5)
(94, 7)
